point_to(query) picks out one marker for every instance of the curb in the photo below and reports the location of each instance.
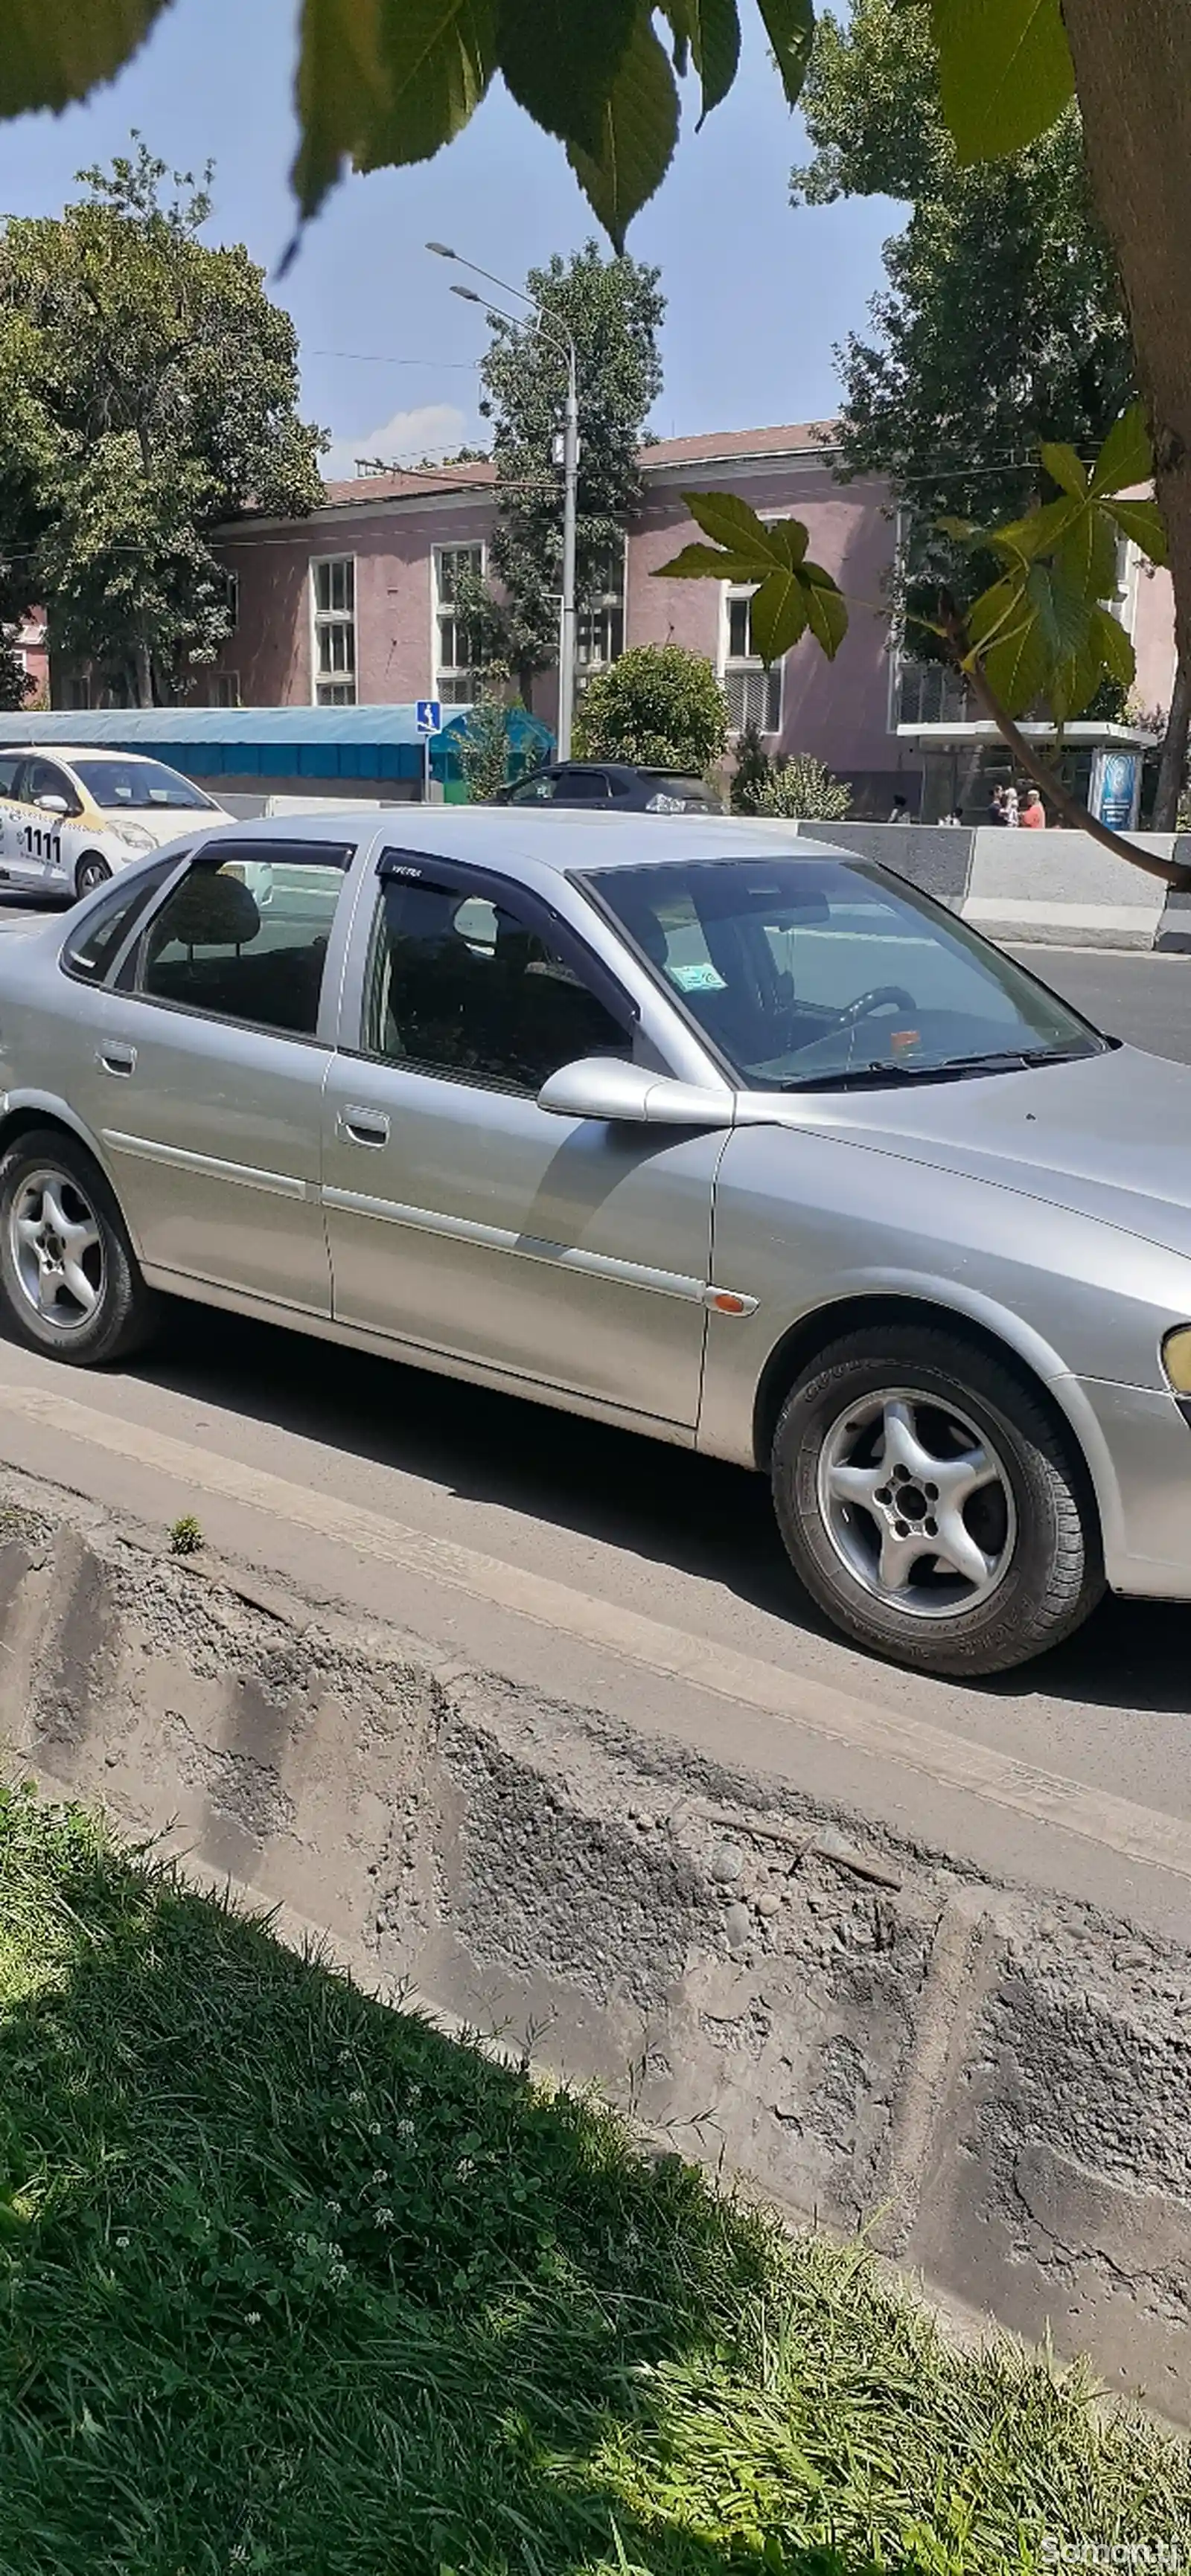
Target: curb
(999, 2089)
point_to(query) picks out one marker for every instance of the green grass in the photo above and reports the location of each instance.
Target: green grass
(290, 2283)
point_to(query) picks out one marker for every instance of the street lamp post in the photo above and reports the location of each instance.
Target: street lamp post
(549, 324)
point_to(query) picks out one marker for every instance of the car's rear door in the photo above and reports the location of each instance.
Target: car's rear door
(208, 1072)
(467, 1223)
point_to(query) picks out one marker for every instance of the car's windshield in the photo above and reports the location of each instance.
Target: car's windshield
(818, 971)
(139, 786)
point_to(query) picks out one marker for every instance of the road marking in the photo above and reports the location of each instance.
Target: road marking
(1048, 1798)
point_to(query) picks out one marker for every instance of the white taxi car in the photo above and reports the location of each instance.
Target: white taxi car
(68, 818)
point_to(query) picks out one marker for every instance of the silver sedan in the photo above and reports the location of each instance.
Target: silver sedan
(739, 1142)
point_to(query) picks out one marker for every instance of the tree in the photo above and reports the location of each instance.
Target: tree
(613, 311)
(1002, 325)
(804, 789)
(659, 706)
(485, 741)
(751, 771)
(394, 83)
(157, 398)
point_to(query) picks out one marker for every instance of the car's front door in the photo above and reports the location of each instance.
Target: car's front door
(52, 803)
(468, 1223)
(209, 1069)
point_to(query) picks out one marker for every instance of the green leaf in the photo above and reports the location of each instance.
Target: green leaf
(1036, 533)
(1087, 555)
(790, 27)
(1126, 456)
(998, 610)
(1144, 523)
(715, 48)
(638, 132)
(729, 520)
(1075, 679)
(560, 59)
(1019, 666)
(1005, 72)
(826, 610)
(711, 563)
(386, 81)
(1062, 609)
(1064, 467)
(1114, 647)
(678, 13)
(51, 55)
(779, 614)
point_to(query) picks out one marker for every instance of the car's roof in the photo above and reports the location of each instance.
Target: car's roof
(74, 751)
(503, 837)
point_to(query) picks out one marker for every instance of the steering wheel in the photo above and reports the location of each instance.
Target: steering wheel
(882, 996)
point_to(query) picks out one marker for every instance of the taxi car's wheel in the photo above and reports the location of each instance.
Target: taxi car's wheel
(69, 1278)
(90, 872)
(930, 1506)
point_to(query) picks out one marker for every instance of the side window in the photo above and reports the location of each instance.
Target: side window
(536, 791)
(584, 787)
(11, 765)
(43, 779)
(96, 945)
(247, 939)
(464, 986)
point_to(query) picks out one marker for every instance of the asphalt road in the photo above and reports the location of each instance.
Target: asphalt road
(604, 1569)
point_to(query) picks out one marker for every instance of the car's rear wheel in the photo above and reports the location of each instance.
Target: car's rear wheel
(931, 1506)
(69, 1278)
(91, 871)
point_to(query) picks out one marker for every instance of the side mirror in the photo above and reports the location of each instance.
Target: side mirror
(604, 1087)
(53, 805)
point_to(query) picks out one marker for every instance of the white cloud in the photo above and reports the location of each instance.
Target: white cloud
(436, 429)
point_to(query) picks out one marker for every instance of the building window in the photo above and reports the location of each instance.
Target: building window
(224, 689)
(599, 626)
(754, 694)
(231, 591)
(929, 693)
(456, 644)
(333, 584)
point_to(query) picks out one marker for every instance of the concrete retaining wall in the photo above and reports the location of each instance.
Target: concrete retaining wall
(1060, 888)
(1003, 2092)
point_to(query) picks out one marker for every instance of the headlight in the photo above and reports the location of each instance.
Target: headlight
(1176, 1358)
(134, 836)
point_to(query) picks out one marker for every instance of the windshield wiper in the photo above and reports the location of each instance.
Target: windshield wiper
(953, 1068)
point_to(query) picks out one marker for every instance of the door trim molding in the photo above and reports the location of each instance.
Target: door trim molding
(247, 1176)
(526, 1247)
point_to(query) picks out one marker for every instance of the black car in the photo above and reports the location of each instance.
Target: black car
(613, 784)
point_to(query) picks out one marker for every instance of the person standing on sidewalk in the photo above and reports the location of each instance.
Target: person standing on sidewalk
(1033, 813)
(997, 809)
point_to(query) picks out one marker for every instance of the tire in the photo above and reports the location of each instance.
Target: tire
(877, 1410)
(46, 1177)
(91, 871)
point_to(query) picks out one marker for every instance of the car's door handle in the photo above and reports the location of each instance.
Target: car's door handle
(364, 1126)
(117, 1058)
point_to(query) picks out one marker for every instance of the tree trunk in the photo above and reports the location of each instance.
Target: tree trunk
(143, 669)
(1173, 765)
(1133, 75)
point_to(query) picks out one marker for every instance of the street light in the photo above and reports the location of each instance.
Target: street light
(552, 328)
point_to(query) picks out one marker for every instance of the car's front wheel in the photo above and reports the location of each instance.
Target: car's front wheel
(930, 1505)
(90, 872)
(69, 1278)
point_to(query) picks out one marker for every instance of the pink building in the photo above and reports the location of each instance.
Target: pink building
(355, 606)
(28, 641)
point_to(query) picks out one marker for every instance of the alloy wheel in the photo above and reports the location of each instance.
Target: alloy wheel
(917, 1503)
(57, 1249)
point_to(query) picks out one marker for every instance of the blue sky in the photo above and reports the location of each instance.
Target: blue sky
(758, 295)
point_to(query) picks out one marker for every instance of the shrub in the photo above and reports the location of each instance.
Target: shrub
(659, 706)
(485, 742)
(753, 767)
(804, 790)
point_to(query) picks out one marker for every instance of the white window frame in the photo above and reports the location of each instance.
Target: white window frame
(232, 586)
(731, 665)
(223, 681)
(1123, 603)
(605, 609)
(454, 682)
(341, 689)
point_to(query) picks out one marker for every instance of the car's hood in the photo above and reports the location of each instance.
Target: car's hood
(166, 823)
(1109, 1137)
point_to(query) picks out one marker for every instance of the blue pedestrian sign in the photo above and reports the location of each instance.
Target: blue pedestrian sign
(429, 715)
